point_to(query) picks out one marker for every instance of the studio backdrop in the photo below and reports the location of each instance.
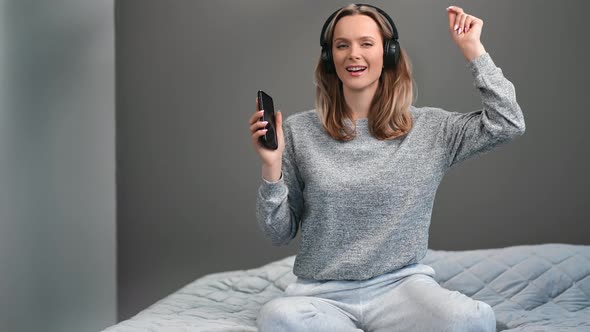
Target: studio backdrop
(187, 174)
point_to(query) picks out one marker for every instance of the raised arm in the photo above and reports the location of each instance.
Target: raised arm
(501, 119)
(280, 203)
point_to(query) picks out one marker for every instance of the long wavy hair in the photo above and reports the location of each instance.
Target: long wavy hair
(389, 116)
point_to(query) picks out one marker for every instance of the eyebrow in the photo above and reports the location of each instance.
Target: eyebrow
(363, 37)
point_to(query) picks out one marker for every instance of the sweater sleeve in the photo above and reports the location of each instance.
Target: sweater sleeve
(279, 204)
(501, 119)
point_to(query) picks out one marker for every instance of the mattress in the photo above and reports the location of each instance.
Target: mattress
(531, 288)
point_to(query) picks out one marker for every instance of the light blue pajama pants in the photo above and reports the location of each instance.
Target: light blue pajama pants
(408, 299)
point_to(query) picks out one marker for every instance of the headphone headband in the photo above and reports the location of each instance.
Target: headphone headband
(387, 17)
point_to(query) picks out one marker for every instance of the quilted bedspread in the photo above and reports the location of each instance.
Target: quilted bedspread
(531, 288)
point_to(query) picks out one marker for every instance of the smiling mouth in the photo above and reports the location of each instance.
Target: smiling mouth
(356, 69)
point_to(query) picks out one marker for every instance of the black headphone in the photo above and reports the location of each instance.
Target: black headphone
(391, 48)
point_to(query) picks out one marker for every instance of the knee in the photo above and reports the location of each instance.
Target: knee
(479, 317)
(284, 314)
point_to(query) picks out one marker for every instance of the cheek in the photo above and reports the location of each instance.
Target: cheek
(338, 57)
(377, 57)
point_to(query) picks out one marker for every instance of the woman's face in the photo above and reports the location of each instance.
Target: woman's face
(357, 42)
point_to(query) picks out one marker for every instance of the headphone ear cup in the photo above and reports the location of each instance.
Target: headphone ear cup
(327, 60)
(391, 53)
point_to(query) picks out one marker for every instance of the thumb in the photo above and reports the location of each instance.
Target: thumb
(279, 122)
(279, 125)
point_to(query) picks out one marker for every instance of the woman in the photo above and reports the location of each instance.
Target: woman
(358, 175)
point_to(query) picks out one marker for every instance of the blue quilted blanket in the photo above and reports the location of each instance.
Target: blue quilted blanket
(531, 288)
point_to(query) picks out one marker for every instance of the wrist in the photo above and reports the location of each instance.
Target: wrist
(472, 52)
(272, 164)
(272, 172)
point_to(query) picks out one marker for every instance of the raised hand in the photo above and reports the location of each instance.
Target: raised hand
(256, 127)
(465, 31)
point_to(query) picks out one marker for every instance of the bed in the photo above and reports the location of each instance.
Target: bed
(544, 287)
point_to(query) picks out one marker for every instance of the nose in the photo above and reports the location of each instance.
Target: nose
(354, 52)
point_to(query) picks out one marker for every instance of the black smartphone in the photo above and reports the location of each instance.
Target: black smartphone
(269, 139)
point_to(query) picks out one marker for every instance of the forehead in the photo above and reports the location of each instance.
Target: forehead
(355, 26)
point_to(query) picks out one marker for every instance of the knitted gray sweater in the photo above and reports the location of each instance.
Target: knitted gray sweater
(364, 206)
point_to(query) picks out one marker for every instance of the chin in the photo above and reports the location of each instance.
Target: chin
(360, 87)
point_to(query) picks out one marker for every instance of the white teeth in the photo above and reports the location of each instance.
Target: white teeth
(355, 68)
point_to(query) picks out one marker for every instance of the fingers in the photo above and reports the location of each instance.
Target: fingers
(255, 117)
(469, 21)
(452, 15)
(256, 131)
(459, 21)
(257, 134)
(453, 12)
(462, 19)
(258, 125)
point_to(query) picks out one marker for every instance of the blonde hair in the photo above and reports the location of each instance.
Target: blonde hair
(389, 116)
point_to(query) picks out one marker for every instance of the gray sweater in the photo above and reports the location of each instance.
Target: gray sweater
(364, 206)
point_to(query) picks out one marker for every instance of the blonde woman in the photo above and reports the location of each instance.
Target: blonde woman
(358, 176)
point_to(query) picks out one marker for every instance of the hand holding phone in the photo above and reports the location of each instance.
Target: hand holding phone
(269, 139)
(271, 158)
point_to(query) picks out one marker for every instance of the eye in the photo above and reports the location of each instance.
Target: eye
(368, 44)
(340, 46)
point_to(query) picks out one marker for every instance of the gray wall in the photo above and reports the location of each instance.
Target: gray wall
(187, 76)
(57, 166)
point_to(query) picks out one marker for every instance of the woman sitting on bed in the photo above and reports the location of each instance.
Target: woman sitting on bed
(358, 175)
